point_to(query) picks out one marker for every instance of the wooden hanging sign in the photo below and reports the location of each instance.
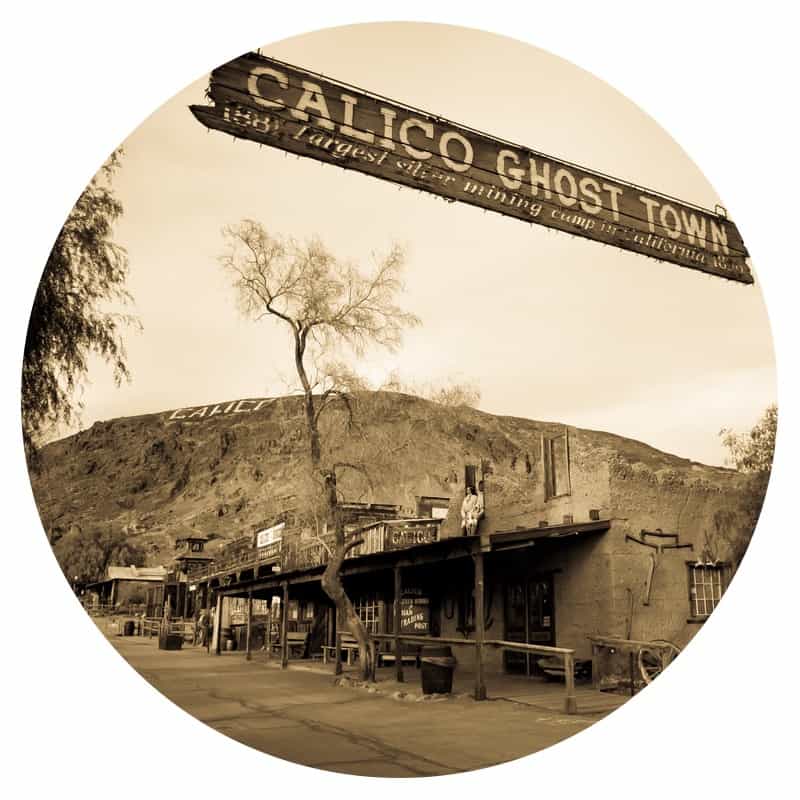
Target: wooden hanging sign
(276, 104)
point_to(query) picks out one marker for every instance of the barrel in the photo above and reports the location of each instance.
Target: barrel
(130, 628)
(170, 641)
(438, 665)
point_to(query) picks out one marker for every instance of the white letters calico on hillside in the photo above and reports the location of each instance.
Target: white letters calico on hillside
(274, 103)
(197, 413)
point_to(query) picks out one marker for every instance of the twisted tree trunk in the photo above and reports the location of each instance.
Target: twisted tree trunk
(331, 579)
(332, 586)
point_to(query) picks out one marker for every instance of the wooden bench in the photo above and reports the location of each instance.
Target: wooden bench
(294, 641)
(409, 654)
(349, 646)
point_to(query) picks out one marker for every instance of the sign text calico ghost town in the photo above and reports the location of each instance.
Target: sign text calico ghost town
(273, 103)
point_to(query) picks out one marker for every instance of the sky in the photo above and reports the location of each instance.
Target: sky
(548, 326)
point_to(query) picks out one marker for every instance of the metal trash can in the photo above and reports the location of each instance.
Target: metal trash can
(129, 628)
(438, 665)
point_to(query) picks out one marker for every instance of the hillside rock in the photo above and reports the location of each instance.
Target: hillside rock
(222, 470)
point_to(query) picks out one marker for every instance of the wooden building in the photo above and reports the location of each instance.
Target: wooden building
(588, 543)
(125, 586)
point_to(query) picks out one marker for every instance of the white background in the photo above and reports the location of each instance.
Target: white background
(78, 77)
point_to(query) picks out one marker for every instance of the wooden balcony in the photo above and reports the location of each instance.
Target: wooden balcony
(295, 552)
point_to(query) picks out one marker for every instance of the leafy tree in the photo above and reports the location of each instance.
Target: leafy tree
(85, 271)
(87, 554)
(753, 451)
(750, 453)
(323, 303)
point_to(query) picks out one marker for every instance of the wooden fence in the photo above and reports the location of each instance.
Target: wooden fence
(152, 626)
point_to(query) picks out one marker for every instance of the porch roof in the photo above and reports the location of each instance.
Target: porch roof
(521, 537)
(433, 552)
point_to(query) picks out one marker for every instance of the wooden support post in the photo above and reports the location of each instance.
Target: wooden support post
(337, 670)
(373, 652)
(480, 685)
(208, 622)
(284, 625)
(570, 702)
(216, 636)
(248, 656)
(268, 633)
(630, 662)
(186, 599)
(398, 594)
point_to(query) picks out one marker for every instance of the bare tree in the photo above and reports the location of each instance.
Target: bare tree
(324, 303)
(451, 392)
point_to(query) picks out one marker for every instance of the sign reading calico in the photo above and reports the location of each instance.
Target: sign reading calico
(198, 413)
(274, 103)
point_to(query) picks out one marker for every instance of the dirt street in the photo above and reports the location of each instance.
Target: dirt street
(302, 716)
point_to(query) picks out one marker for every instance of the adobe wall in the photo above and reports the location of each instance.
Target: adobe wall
(600, 579)
(465, 656)
(516, 498)
(581, 587)
(711, 509)
(515, 485)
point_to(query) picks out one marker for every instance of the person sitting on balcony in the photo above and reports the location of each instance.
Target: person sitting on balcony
(470, 511)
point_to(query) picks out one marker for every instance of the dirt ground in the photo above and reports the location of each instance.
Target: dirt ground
(388, 730)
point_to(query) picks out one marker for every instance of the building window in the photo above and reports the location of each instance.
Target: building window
(706, 584)
(368, 610)
(555, 454)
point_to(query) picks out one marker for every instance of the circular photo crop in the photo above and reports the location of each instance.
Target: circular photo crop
(356, 396)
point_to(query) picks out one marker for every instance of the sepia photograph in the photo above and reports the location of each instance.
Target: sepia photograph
(398, 400)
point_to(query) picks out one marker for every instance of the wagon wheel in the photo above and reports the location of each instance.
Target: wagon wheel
(655, 658)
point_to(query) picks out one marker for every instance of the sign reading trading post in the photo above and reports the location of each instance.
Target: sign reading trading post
(276, 104)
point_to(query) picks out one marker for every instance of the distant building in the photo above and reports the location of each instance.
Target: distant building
(124, 586)
(190, 556)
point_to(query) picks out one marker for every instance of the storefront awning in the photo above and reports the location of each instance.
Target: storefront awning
(507, 540)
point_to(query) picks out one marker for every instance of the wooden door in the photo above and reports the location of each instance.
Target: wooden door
(529, 618)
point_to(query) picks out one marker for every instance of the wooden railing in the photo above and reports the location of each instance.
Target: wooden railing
(252, 557)
(294, 552)
(566, 655)
(98, 609)
(152, 626)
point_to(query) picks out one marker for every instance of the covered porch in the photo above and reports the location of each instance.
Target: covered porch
(457, 591)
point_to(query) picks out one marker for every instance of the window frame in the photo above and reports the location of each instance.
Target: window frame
(548, 466)
(369, 609)
(720, 568)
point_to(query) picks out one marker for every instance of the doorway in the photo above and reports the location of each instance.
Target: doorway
(530, 619)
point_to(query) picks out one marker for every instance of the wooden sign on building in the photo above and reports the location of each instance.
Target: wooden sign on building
(400, 536)
(415, 613)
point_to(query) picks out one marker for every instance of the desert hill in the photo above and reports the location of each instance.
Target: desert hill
(223, 469)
